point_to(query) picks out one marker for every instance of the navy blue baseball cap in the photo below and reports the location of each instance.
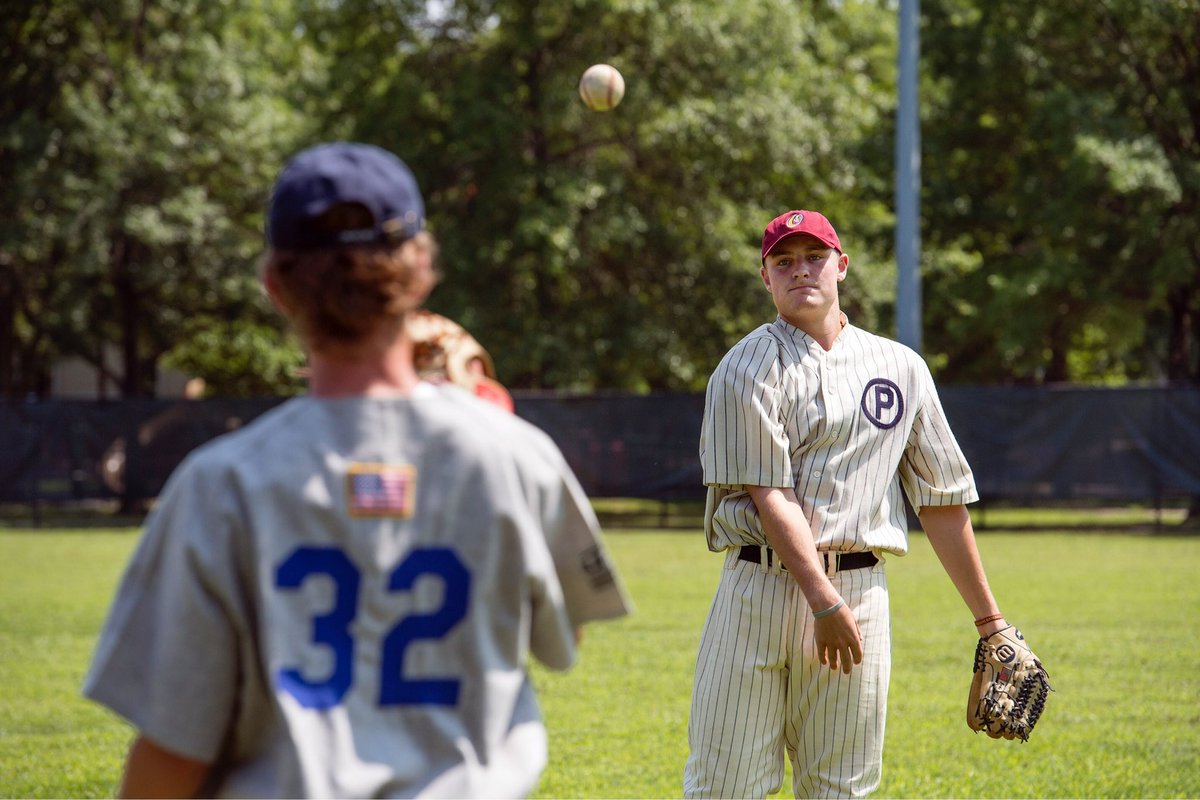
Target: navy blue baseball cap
(321, 177)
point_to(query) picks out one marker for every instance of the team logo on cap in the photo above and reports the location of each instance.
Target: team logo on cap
(882, 403)
(794, 220)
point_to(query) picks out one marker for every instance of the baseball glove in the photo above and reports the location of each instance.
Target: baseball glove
(444, 351)
(1009, 688)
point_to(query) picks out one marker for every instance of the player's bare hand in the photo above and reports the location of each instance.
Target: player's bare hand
(838, 640)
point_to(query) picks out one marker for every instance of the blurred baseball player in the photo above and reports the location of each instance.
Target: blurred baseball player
(340, 599)
(813, 433)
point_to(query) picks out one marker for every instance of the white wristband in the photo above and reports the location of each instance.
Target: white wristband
(830, 610)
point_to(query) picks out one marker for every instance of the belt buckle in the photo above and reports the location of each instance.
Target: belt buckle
(770, 561)
(830, 561)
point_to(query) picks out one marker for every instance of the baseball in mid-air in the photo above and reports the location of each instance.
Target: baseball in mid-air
(601, 87)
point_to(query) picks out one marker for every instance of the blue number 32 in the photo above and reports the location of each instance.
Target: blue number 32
(332, 629)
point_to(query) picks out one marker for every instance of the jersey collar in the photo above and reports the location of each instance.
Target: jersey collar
(809, 342)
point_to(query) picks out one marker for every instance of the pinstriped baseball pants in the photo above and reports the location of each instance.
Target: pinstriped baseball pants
(759, 691)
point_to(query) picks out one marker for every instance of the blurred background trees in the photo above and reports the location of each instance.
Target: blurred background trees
(1060, 208)
(1062, 197)
(137, 141)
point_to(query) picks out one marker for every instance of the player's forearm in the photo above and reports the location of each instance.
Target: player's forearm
(789, 535)
(151, 771)
(953, 540)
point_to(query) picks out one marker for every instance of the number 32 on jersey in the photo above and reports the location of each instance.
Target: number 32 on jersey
(333, 628)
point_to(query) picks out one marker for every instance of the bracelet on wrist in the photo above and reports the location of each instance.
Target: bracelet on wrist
(987, 619)
(831, 609)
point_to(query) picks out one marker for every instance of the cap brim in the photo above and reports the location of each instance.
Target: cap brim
(791, 234)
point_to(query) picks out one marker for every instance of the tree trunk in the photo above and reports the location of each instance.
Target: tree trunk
(1056, 368)
(1181, 340)
(128, 313)
(8, 311)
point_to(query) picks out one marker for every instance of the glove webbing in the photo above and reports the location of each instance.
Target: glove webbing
(1018, 722)
(1038, 702)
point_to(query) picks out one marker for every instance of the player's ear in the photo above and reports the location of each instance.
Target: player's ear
(843, 265)
(762, 273)
(421, 254)
(270, 282)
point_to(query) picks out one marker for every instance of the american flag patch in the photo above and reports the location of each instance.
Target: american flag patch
(381, 490)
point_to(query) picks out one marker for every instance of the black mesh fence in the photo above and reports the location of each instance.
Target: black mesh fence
(64, 451)
(1025, 444)
(1078, 444)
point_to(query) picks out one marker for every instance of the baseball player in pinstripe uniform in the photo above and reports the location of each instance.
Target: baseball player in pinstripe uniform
(341, 598)
(814, 432)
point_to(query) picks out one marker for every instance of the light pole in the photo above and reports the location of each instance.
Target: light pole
(908, 182)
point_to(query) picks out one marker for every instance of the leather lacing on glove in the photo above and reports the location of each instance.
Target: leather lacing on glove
(1009, 687)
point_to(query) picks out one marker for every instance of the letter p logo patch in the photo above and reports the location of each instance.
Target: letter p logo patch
(882, 403)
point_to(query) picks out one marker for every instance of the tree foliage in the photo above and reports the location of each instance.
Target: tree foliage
(1062, 189)
(138, 139)
(617, 250)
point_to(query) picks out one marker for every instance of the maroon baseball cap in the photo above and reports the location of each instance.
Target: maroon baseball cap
(796, 222)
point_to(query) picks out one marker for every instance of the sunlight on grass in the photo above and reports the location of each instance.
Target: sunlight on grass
(1106, 612)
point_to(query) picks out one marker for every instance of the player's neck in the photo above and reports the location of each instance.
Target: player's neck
(823, 328)
(379, 373)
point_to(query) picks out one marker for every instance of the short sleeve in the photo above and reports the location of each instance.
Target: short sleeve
(167, 655)
(743, 437)
(934, 470)
(587, 586)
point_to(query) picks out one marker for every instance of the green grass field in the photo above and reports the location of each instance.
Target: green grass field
(1112, 615)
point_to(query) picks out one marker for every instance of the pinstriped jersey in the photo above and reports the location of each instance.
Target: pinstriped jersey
(852, 430)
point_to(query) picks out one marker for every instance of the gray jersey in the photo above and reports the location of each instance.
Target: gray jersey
(849, 430)
(339, 600)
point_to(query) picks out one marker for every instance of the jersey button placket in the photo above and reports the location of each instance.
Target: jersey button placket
(826, 380)
(834, 410)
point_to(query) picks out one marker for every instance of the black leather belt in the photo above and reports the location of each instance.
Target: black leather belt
(753, 554)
